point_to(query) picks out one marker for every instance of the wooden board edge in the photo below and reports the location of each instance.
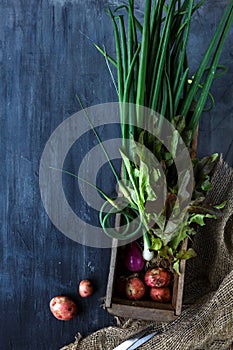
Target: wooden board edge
(112, 267)
(111, 275)
(147, 314)
(180, 283)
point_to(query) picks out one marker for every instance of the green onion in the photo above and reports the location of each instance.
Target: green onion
(152, 71)
(141, 84)
(198, 76)
(212, 71)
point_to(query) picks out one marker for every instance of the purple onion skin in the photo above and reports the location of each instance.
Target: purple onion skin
(133, 260)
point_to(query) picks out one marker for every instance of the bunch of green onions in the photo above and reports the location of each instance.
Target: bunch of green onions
(152, 65)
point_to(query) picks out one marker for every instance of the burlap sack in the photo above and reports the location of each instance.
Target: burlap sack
(206, 322)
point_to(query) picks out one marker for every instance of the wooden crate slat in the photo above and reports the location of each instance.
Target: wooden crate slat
(137, 312)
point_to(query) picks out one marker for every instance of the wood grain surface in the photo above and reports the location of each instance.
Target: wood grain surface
(45, 59)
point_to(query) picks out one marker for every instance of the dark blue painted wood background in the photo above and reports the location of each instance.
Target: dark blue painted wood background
(44, 62)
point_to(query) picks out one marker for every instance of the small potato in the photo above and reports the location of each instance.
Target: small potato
(85, 288)
(134, 288)
(157, 277)
(63, 308)
(162, 295)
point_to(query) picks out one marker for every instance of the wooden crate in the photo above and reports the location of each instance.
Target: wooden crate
(143, 309)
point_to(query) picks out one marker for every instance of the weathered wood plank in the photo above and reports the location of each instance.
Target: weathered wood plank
(142, 314)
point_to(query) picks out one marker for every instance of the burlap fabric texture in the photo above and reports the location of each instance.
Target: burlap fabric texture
(206, 322)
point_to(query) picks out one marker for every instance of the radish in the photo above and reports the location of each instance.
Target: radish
(157, 277)
(63, 308)
(135, 288)
(162, 295)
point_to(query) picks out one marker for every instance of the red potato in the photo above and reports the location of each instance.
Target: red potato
(63, 308)
(157, 277)
(162, 295)
(135, 288)
(85, 288)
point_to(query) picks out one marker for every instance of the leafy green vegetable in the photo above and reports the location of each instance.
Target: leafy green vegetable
(199, 218)
(221, 205)
(176, 266)
(206, 185)
(153, 71)
(156, 243)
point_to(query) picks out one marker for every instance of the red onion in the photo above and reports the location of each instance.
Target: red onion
(134, 260)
